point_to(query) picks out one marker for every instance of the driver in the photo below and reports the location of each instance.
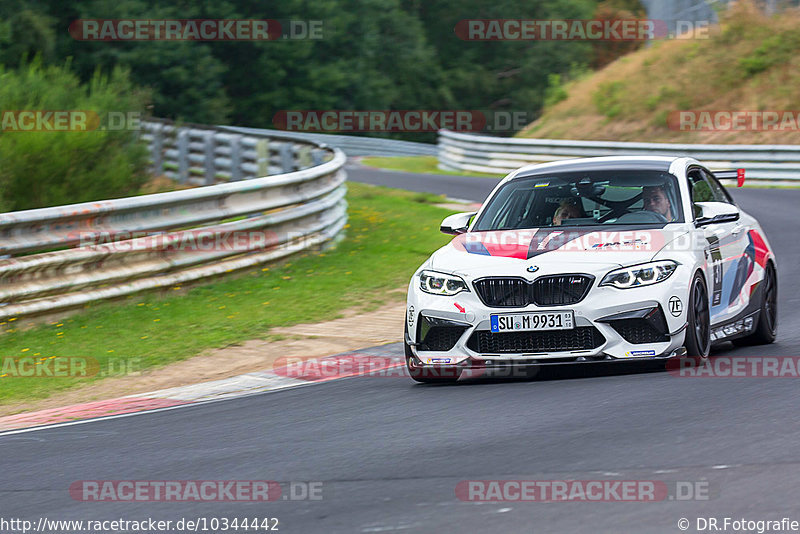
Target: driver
(655, 199)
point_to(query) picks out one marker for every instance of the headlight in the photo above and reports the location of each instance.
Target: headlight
(640, 275)
(441, 284)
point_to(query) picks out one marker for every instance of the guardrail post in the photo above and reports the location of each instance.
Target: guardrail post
(236, 158)
(318, 156)
(157, 149)
(209, 144)
(262, 157)
(304, 157)
(183, 156)
(287, 157)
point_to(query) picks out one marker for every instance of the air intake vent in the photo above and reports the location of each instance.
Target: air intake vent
(581, 338)
(638, 331)
(442, 338)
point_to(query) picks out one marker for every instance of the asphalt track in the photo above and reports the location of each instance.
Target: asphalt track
(390, 453)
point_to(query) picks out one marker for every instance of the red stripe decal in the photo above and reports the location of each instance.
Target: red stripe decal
(761, 248)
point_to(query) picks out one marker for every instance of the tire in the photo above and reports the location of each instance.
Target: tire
(429, 375)
(767, 326)
(698, 330)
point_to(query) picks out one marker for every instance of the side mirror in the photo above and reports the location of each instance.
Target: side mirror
(715, 212)
(457, 223)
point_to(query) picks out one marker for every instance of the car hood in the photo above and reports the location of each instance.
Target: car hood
(548, 251)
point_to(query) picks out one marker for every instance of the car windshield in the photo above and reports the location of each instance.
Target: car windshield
(584, 199)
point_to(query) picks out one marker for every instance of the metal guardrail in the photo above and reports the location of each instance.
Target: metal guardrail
(206, 155)
(498, 155)
(126, 245)
(352, 145)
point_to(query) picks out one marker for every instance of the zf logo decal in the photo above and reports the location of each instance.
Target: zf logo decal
(675, 306)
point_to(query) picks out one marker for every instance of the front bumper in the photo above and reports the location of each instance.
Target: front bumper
(443, 330)
(519, 366)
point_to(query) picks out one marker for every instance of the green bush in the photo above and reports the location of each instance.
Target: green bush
(609, 98)
(48, 168)
(774, 50)
(555, 92)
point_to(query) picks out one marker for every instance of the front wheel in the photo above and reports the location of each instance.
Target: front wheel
(698, 331)
(767, 326)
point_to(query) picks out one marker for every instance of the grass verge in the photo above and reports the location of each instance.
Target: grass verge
(416, 164)
(390, 233)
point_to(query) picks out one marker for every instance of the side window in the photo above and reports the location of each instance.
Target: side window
(701, 190)
(720, 195)
(510, 214)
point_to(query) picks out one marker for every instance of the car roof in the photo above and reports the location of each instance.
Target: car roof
(628, 163)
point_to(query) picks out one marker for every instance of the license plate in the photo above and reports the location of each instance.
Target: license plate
(525, 322)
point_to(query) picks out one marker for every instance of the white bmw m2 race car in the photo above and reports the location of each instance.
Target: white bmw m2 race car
(595, 259)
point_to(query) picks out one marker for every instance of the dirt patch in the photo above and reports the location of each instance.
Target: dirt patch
(459, 207)
(356, 330)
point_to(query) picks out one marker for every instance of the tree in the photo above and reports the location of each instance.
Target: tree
(374, 55)
(48, 168)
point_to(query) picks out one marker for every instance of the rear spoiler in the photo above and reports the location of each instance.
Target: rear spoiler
(730, 175)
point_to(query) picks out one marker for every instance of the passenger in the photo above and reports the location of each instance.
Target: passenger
(566, 210)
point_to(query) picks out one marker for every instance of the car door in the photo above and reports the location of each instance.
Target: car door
(744, 250)
(725, 249)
